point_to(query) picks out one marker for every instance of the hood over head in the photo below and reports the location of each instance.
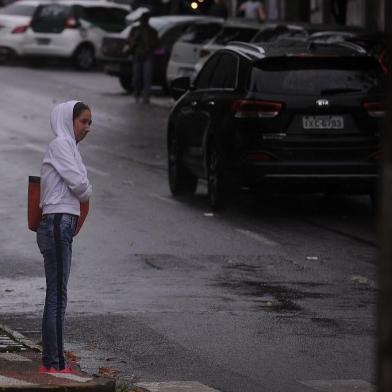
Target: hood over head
(61, 119)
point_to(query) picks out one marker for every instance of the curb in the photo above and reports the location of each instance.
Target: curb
(98, 384)
(20, 338)
(101, 386)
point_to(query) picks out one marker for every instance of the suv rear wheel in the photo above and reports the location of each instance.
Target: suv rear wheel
(181, 181)
(126, 82)
(84, 57)
(216, 184)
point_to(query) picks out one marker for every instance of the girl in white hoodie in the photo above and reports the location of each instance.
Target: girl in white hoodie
(64, 184)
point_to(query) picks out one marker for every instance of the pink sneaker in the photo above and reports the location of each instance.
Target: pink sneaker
(43, 370)
(67, 370)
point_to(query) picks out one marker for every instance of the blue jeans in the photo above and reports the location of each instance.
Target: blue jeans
(142, 76)
(54, 238)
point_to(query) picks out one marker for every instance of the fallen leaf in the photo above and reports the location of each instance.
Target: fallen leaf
(108, 372)
(71, 356)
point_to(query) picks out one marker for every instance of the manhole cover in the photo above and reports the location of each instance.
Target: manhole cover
(8, 344)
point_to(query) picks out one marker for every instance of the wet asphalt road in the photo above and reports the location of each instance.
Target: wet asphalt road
(272, 293)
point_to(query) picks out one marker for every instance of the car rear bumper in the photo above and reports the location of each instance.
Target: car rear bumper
(361, 176)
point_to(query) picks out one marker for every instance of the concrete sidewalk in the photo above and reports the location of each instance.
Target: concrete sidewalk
(19, 363)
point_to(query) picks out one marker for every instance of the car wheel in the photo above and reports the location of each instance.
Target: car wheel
(181, 181)
(35, 62)
(215, 180)
(126, 82)
(375, 201)
(84, 58)
(5, 56)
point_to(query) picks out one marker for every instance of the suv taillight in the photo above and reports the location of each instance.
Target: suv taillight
(20, 29)
(71, 23)
(375, 109)
(382, 61)
(256, 109)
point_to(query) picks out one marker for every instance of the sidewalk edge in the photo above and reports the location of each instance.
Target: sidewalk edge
(20, 338)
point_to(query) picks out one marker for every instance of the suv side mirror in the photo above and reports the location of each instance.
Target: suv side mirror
(180, 86)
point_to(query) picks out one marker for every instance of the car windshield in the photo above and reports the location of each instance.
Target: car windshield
(200, 33)
(228, 34)
(20, 10)
(316, 76)
(50, 18)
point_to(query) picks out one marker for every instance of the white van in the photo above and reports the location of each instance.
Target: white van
(73, 29)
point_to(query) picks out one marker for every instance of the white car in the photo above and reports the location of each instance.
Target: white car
(185, 52)
(14, 21)
(73, 30)
(231, 30)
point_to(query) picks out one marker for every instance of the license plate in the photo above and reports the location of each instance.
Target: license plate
(43, 41)
(323, 122)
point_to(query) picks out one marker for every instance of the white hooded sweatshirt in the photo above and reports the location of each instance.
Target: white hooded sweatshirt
(64, 182)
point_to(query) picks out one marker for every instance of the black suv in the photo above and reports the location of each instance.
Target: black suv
(304, 116)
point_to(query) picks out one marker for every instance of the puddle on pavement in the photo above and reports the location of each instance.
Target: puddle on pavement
(21, 295)
(250, 281)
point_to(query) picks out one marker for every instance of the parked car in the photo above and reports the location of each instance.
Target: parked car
(185, 52)
(232, 30)
(73, 29)
(14, 21)
(308, 118)
(119, 64)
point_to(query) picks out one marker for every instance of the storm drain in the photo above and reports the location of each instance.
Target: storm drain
(8, 344)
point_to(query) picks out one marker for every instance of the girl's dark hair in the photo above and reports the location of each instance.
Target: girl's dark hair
(78, 109)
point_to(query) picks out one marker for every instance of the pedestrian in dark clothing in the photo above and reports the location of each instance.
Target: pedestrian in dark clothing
(218, 9)
(64, 184)
(143, 40)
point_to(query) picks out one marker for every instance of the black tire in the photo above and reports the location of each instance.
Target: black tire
(216, 184)
(84, 58)
(126, 82)
(375, 201)
(181, 181)
(6, 56)
(35, 62)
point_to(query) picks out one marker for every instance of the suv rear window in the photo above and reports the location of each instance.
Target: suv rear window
(20, 10)
(50, 18)
(107, 18)
(316, 76)
(200, 33)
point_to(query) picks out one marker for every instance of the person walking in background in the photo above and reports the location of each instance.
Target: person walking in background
(218, 9)
(253, 9)
(64, 184)
(142, 41)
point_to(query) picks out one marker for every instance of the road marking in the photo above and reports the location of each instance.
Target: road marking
(14, 357)
(339, 385)
(96, 171)
(73, 377)
(176, 386)
(257, 237)
(12, 381)
(165, 199)
(35, 147)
